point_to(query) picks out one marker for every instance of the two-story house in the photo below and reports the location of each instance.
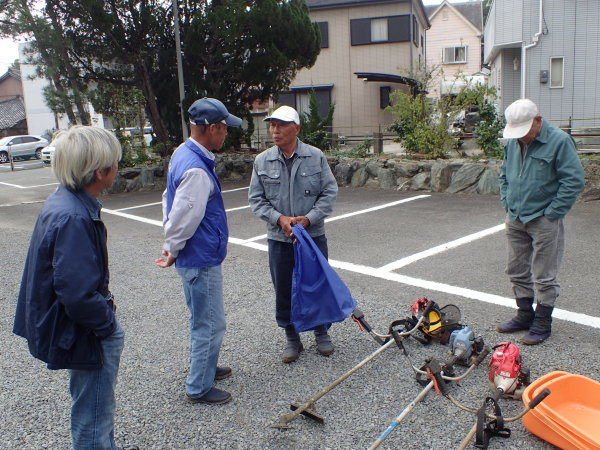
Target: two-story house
(368, 48)
(454, 46)
(12, 109)
(548, 51)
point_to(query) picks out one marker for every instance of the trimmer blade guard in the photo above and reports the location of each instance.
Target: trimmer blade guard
(450, 317)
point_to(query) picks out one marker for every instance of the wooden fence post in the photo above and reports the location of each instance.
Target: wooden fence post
(377, 143)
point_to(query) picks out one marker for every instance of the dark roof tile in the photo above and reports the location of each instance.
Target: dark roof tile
(12, 111)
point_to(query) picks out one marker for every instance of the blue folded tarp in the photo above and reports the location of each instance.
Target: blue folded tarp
(319, 296)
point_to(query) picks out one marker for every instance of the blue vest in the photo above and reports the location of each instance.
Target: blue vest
(208, 246)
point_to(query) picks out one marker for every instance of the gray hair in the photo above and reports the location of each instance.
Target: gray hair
(80, 151)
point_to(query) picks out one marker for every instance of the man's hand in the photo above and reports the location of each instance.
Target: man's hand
(165, 262)
(302, 220)
(286, 222)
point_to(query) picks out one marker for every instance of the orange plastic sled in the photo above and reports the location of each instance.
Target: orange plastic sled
(570, 416)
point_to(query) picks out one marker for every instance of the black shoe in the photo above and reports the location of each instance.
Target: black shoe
(541, 328)
(523, 319)
(222, 373)
(512, 326)
(214, 397)
(324, 344)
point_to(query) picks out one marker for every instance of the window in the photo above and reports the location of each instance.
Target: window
(557, 72)
(415, 31)
(324, 29)
(445, 14)
(298, 98)
(384, 96)
(380, 30)
(455, 55)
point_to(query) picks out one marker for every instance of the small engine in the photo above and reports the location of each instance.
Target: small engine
(506, 371)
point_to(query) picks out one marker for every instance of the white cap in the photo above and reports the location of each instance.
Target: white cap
(519, 118)
(285, 114)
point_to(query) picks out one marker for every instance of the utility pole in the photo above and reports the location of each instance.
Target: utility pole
(184, 128)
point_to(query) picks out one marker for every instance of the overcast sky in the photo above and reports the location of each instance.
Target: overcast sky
(9, 51)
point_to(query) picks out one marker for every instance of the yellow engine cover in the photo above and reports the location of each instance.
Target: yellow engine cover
(433, 325)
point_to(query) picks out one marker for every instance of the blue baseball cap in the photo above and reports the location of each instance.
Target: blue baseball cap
(210, 110)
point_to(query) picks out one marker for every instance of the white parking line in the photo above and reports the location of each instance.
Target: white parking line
(440, 248)
(158, 203)
(362, 211)
(27, 187)
(578, 318)
(158, 223)
(138, 206)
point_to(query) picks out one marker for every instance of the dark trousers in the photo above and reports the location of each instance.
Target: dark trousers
(281, 263)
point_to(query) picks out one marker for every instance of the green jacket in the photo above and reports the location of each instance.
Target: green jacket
(544, 179)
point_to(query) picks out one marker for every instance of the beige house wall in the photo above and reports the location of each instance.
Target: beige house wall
(450, 30)
(357, 109)
(10, 87)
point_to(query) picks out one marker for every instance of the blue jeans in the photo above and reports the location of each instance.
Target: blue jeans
(203, 289)
(93, 395)
(281, 263)
(535, 251)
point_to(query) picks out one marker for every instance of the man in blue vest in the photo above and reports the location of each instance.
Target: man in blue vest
(196, 235)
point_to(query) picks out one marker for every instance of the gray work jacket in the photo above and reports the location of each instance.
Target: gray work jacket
(310, 190)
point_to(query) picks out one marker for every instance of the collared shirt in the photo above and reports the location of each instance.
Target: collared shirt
(189, 205)
(289, 162)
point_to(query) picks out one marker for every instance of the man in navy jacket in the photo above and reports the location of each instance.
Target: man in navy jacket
(65, 309)
(196, 237)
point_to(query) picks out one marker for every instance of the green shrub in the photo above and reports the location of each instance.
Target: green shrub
(488, 131)
(316, 130)
(358, 151)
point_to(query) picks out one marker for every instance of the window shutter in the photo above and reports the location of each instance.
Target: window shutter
(287, 99)
(384, 96)
(324, 29)
(399, 28)
(323, 101)
(360, 31)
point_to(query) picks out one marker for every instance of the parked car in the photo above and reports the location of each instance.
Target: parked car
(21, 147)
(47, 154)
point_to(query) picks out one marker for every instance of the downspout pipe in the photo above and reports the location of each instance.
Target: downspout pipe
(534, 42)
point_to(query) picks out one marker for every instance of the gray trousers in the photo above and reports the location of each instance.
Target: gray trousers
(535, 252)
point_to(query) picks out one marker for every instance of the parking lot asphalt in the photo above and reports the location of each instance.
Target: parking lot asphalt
(389, 247)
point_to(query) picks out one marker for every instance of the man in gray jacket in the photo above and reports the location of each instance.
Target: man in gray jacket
(291, 184)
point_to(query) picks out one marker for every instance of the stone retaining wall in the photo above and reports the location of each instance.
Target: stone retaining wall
(443, 175)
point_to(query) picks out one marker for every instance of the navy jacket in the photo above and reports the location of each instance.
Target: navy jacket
(208, 245)
(62, 308)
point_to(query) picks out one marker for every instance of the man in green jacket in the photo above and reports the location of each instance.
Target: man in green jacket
(540, 179)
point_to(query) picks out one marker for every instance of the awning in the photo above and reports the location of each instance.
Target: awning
(389, 78)
(316, 87)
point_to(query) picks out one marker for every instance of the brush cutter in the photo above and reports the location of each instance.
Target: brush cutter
(464, 348)
(307, 409)
(507, 378)
(427, 317)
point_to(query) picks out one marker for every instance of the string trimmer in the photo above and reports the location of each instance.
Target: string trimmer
(307, 409)
(507, 378)
(466, 350)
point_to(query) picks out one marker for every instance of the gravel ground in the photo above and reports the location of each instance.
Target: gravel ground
(152, 413)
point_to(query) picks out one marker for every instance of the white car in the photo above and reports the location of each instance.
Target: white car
(47, 154)
(21, 147)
